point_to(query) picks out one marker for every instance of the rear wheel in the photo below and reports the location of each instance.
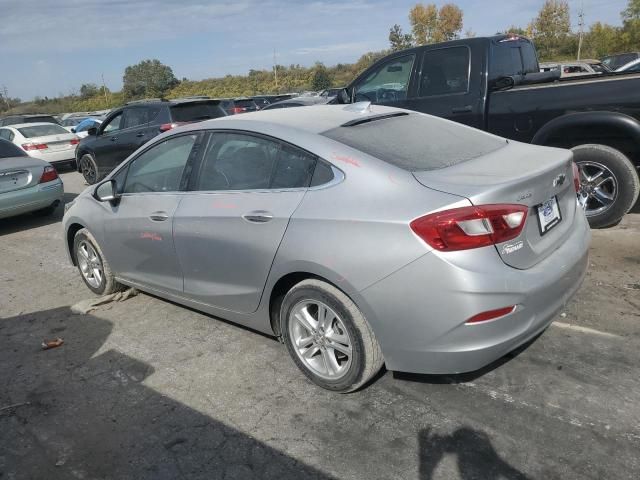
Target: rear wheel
(328, 337)
(609, 184)
(89, 168)
(94, 268)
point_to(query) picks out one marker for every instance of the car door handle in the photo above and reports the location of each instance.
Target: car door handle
(259, 216)
(113, 139)
(159, 216)
(465, 109)
(141, 134)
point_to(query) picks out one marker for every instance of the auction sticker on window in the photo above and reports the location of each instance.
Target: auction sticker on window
(548, 215)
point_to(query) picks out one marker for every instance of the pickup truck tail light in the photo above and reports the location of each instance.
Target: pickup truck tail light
(471, 227)
(48, 175)
(34, 146)
(576, 176)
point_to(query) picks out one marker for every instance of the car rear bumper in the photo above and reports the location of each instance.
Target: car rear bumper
(418, 313)
(31, 199)
(62, 156)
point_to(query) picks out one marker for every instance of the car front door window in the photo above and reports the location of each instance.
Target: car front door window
(161, 168)
(114, 124)
(388, 83)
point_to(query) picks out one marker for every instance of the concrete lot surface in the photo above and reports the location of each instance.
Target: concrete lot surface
(146, 389)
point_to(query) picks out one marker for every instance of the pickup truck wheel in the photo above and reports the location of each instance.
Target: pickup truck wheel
(609, 184)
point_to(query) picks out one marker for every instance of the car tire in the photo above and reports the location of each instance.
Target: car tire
(608, 200)
(357, 356)
(90, 260)
(89, 169)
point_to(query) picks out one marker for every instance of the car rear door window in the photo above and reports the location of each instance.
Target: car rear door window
(387, 83)
(134, 117)
(237, 161)
(445, 71)
(160, 168)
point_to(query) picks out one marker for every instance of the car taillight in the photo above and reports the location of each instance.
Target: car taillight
(34, 146)
(236, 110)
(48, 175)
(576, 176)
(491, 315)
(165, 127)
(74, 141)
(471, 227)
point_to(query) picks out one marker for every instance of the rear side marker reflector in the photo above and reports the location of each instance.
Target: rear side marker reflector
(471, 227)
(490, 315)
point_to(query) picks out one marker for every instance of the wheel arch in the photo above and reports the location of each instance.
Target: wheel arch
(614, 129)
(71, 233)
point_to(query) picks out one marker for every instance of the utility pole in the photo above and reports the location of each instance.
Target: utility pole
(275, 69)
(581, 25)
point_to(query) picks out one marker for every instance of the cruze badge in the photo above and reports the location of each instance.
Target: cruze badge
(513, 247)
(559, 180)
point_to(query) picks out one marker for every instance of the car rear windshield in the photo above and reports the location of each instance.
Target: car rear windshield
(192, 112)
(42, 130)
(416, 142)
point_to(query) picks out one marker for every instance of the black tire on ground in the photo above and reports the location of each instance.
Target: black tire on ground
(366, 360)
(626, 177)
(108, 282)
(89, 169)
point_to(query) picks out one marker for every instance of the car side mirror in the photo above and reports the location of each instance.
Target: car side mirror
(504, 83)
(106, 191)
(344, 96)
(92, 131)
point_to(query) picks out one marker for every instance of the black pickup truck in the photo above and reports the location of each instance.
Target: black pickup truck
(495, 84)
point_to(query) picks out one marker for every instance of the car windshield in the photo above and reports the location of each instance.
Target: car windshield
(42, 130)
(191, 112)
(416, 142)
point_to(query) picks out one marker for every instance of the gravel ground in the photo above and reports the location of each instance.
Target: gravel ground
(146, 389)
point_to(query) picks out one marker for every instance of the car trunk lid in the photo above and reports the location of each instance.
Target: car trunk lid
(538, 177)
(19, 172)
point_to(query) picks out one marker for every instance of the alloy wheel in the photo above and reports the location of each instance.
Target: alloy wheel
(88, 170)
(320, 339)
(90, 264)
(598, 188)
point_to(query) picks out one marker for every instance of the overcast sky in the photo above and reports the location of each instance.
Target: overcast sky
(48, 47)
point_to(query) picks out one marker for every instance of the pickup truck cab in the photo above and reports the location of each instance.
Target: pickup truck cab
(495, 84)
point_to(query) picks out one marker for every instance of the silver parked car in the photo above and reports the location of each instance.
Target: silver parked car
(27, 184)
(361, 235)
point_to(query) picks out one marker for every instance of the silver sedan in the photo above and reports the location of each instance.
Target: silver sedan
(361, 235)
(27, 184)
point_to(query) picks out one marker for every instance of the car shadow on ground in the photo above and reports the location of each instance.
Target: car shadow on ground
(474, 454)
(80, 412)
(30, 220)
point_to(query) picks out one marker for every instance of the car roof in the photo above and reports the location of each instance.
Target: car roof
(317, 120)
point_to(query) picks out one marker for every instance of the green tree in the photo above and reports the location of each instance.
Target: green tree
(630, 35)
(602, 40)
(149, 78)
(88, 90)
(552, 28)
(398, 39)
(321, 78)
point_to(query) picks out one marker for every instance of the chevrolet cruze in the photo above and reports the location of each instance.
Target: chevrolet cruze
(360, 235)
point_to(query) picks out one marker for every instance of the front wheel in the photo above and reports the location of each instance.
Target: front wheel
(328, 337)
(94, 268)
(609, 184)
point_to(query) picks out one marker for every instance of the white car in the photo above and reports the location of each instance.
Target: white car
(47, 141)
(633, 66)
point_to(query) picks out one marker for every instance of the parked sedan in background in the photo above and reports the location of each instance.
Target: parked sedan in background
(576, 69)
(47, 141)
(361, 235)
(614, 62)
(16, 119)
(27, 184)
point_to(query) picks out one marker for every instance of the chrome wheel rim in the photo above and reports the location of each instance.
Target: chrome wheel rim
(320, 339)
(598, 188)
(90, 264)
(88, 171)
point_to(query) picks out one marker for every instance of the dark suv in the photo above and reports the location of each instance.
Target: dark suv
(16, 119)
(129, 127)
